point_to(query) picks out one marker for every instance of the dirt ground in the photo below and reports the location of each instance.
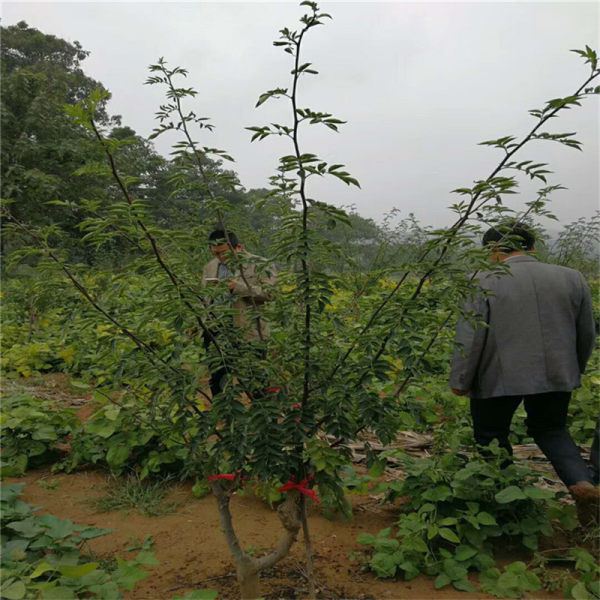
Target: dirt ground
(193, 553)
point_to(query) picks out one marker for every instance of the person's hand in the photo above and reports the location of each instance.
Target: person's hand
(231, 284)
(459, 392)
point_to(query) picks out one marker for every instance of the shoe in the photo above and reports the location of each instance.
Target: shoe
(587, 501)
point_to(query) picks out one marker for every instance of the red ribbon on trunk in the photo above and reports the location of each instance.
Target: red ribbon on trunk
(302, 487)
(226, 476)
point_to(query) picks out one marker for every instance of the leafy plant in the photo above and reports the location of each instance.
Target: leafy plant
(34, 432)
(147, 497)
(513, 582)
(456, 508)
(42, 556)
(125, 435)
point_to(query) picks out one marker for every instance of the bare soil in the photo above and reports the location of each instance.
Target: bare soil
(193, 554)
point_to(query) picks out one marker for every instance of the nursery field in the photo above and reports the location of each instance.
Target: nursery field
(209, 391)
(179, 531)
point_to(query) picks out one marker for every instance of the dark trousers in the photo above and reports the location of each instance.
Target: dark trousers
(255, 386)
(546, 423)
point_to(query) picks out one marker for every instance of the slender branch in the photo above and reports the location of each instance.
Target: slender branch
(454, 229)
(305, 209)
(220, 218)
(157, 252)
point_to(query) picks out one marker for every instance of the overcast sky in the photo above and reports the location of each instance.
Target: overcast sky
(420, 84)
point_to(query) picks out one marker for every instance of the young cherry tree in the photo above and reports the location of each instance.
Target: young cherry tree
(292, 401)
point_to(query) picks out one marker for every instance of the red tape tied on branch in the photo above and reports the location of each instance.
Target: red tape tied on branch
(226, 476)
(302, 487)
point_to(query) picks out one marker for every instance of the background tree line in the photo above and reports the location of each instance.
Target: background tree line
(42, 151)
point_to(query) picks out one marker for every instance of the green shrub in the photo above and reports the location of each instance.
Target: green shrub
(456, 510)
(33, 431)
(130, 436)
(42, 558)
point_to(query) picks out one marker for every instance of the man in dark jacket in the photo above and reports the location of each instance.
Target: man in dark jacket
(538, 336)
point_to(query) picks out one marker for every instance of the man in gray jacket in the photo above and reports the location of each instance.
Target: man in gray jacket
(531, 337)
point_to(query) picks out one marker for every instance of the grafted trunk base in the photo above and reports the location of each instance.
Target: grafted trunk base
(249, 582)
(247, 567)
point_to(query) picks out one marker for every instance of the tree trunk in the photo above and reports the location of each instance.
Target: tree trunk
(248, 580)
(247, 567)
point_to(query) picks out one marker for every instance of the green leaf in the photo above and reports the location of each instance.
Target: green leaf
(438, 493)
(77, 571)
(486, 519)
(42, 568)
(386, 545)
(56, 528)
(580, 592)
(510, 494)
(117, 455)
(128, 574)
(27, 528)
(449, 535)
(530, 541)
(14, 590)
(442, 580)
(82, 385)
(465, 552)
(201, 488)
(538, 493)
(383, 564)
(463, 585)
(199, 595)
(366, 539)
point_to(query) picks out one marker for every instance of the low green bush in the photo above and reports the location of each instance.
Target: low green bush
(130, 436)
(33, 432)
(42, 556)
(457, 509)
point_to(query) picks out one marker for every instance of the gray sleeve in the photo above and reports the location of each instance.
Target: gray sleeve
(469, 340)
(586, 330)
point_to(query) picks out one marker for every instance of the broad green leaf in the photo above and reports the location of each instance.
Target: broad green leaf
(442, 580)
(464, 585)
(510, 494)
(486, 519)
(117, 455)
(437, 494)
(14, 590)
(538, 493)
(449, 535)
(386, 545)
(383, 564)
(128, 574)
(580, 592)
(199, 595)
(465, 552)
(366, 539)
(27, 528)
(42, 568)
(77, 570)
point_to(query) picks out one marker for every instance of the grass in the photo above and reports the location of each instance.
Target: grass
(148, 497)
